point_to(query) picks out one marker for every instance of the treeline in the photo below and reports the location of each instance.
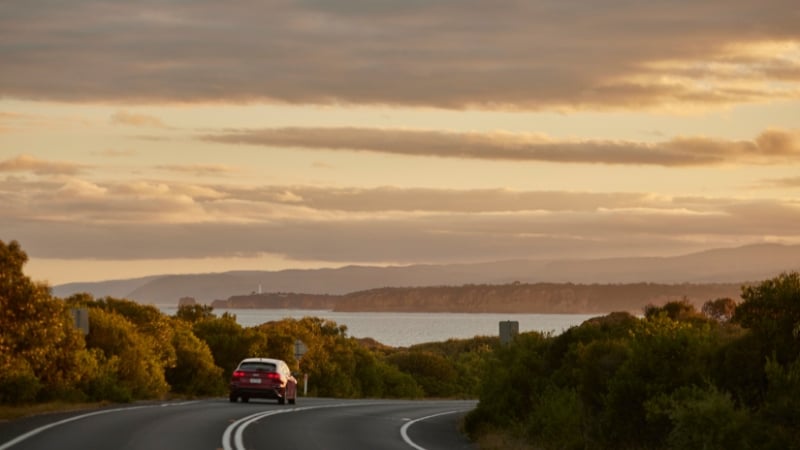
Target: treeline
(135, 352)
(725, 377)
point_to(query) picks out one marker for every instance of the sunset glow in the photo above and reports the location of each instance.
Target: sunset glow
(141, 138)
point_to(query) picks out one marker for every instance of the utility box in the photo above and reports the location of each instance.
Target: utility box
(80, 316)
(508, 330)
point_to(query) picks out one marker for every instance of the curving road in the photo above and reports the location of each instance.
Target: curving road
(313, 423)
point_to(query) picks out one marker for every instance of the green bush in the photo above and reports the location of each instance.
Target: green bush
(434, 373)
(128, 356)
(194, 372)
(780, 412)
(107, 384)
(228, 341)
(700, 417)
(555, 420)
(397, 384)
(672, 379)
(38, 342)
(18, 383)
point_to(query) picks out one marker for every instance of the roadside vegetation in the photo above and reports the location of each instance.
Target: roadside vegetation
(726, 376)
(135, 352)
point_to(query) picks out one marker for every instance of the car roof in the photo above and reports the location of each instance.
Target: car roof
(263, 360)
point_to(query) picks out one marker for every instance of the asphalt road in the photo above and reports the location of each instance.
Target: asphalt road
(312, 423)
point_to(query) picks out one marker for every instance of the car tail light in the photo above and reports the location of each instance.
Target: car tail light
(238, 374)
(274, 376)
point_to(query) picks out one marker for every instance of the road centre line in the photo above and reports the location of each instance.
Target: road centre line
(407, 425)
(36, 431)
(237, 428)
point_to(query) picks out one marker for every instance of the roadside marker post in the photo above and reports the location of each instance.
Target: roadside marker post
(508, 330)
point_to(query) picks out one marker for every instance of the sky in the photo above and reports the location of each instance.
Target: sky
(173, 136)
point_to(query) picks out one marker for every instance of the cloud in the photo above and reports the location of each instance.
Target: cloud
(166, 220)
(391, 199)
(116, 153)
(37, 123)
(201, 170)
(786, 182)
(412, 239)
(26, 163)
(9, 121)
(465, 54)
(770, 147)
(137, 120)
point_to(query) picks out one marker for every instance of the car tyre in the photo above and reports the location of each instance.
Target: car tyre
(245, 399)
(233, 398)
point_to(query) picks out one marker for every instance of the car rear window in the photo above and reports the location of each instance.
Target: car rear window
(258, 366)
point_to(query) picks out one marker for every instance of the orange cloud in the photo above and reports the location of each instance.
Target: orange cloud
(137, 120)
(161, 219)
(26, 163)
(201, 169)
(770, 147)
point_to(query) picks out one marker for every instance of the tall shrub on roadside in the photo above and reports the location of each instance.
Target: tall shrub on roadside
(127, 358)
(194, 372)
(41, 353)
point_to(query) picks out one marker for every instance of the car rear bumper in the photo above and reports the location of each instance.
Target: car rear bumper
(257, 393)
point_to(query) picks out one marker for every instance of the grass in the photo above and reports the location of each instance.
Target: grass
(8, 412)
(496, 440)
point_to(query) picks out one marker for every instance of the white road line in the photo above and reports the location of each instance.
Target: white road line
(407, 425)
(36, 431)
(236, 429)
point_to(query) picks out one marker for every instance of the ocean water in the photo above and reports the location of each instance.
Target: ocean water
(404, 329)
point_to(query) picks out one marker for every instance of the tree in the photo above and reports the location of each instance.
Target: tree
(771, 310)
(701, 417)
(682, 310)
(435, 374)
(721, 309)
(195, 313)
(128, 359)
(194, 372)
(149, 321)
(40, 351)
(228, 341)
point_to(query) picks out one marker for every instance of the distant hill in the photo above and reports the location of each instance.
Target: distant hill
(540, 298)
(110, 288)
(754, 262)
(731, 265)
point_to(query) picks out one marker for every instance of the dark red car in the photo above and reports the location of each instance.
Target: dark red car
(263, 378)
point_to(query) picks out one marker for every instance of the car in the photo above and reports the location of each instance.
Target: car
(266, 378)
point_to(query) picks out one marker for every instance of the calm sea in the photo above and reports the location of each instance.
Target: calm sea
(404, 329)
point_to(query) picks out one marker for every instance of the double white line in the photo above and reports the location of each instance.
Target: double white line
(236, 429)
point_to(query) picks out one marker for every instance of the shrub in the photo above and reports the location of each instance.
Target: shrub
(433, 372)
(555, 420)
(194, 372)
(127, 357)
(18, 383)
(700, 418)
